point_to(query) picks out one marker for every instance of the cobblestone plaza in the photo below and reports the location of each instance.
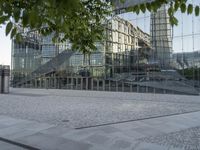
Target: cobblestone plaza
(84, 120)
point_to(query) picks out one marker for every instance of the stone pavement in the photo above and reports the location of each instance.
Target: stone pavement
(76, 109)
(176, 132)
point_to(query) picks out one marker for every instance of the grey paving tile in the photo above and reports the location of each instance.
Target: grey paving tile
(56, 131)
(48, 142)
(74, 145)
(133, 134)
(7, 146)
(79, 134)
(10, 131)
(10, 121)
(108, 129)
(97, 139)
(150, 146)
(121, 144)
(3, 126)
(129, 125)
(148, 131)
(38, 126)
(20, 134)
(156, 121)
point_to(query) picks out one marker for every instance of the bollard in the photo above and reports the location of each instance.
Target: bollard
(1, 77)
(6, 77)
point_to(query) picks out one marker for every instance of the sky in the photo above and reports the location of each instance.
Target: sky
(5, 47)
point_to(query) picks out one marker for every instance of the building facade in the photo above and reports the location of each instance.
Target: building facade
(123, 47)
(25, 56)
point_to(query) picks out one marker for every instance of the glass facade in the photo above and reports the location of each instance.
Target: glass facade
(49, 49)
(26, 56)
(115, 55)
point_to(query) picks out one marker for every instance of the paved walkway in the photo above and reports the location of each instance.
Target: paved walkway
(177, 132)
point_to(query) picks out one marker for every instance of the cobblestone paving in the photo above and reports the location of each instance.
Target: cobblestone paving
(186, 139)
(87, 108)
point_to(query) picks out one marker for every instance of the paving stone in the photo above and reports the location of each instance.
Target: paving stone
(68, 108)
(188, 139)
(108, 129)
(56, 131)
(20, 134)
(74, 145)
(52, 116)
(5, 132)
(149, 146)
(121, 144)
(97, 139)
(48, 142)
(7, 146)
(148, 131)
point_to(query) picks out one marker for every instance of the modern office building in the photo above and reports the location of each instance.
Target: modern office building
(122, 62)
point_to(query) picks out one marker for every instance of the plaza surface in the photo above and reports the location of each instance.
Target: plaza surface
(91, 120)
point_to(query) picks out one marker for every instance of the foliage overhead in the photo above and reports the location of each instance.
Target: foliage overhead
(79, 21)
(174, 5)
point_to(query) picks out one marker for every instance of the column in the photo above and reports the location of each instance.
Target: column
(92, 84)
(76, 83)
(116, 86)
(103, 85)
(122, 86)
(97, 84)
(86, 84)
(109, 86)
(81, 83)
(131, 88)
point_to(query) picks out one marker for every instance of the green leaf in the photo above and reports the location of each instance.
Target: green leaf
(25, 18)
(136, 9)
(33, 18)
(18, 37)
(183, 7)
(148, 5)
(3, 19)
(176, 5)
(143, 8)
(173, 21)
(13, 33)
(197, 10)
(190, 9)
(170, 11)
(9, 27)
(16, 14)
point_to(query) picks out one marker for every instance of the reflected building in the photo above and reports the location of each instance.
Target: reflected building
(161, 37)
(125, 45)
(186, 60)
(26, 56)
(122, 62)
(49, 49)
